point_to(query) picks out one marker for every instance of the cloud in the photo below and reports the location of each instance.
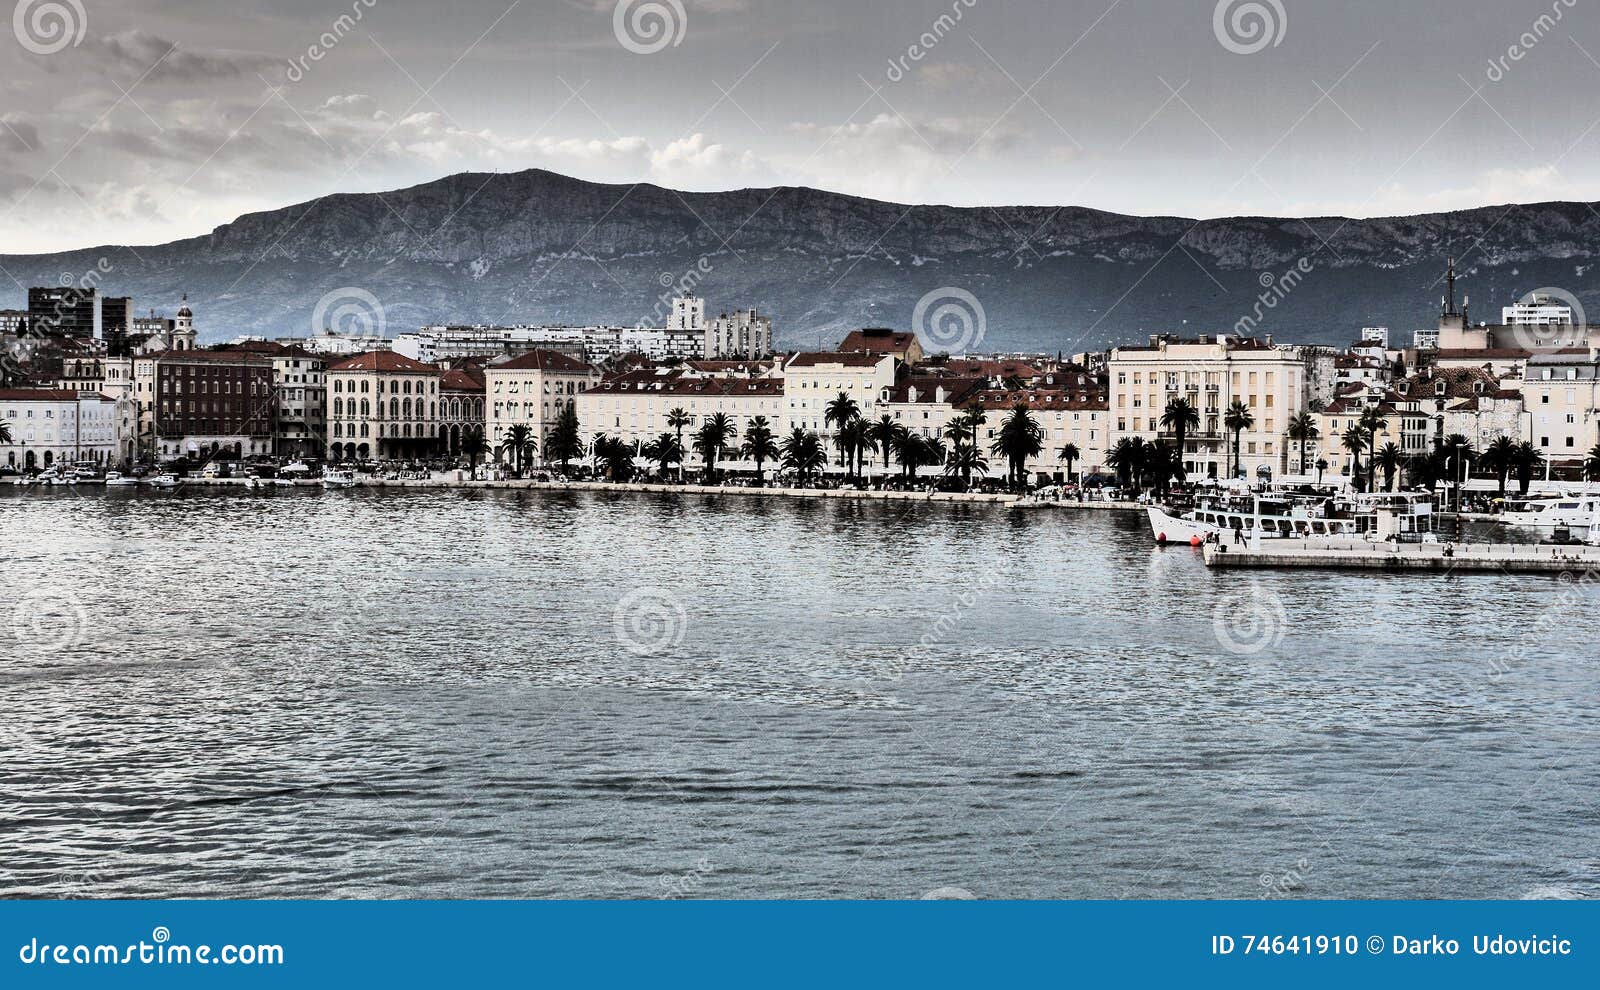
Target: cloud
(896, 158)
(135, 53)
(18, 134)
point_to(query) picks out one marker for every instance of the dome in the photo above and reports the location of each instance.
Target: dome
(186, 312)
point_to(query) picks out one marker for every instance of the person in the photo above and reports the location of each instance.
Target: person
(1238, 536)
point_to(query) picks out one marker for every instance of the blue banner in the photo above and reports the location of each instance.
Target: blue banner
(801, 944)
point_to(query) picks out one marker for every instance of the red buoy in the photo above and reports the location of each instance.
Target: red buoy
(1161, 537)
(1194, 541)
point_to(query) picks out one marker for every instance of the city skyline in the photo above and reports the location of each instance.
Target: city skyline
(143, 123)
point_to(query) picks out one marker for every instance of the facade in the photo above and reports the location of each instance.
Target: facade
(59, 426)
(461, 407)
(338, 344)
(743, 334)
(1562, 396)
(1076, 417)
(1211, 373)
(635, 407)
(812, 380)
(382, 405)
(64, 311)
(212, 404)
(531, 390)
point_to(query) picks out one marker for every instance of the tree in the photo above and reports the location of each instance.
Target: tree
(1373, 422)
(664, 450)
(1163, 462)
(1069, 453)
(1500, 457)
(1302, 430)
(1458, 462)
(803, 454)
(565, 441)
(1591, 464)
(1238, 419)
(759, 446)
(1020, 438)
(1355, 441)
(617, 456)
(966, 460)
(886, 433)
(964, 457)
(839, 413)
(677, 419)
(1390, 458)
(1528, 461)
(714, 434)
(1424, 470)
(520, 444)
(913, 451)
(473, 444)
(5, 433)
(859, 434)
(1321, 466)
(1180, 417)
(1127, 458)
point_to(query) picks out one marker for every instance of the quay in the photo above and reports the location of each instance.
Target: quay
(1503, 558)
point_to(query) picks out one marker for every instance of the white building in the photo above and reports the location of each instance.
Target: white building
(813, 380)
(743, 334)
(56, 426)
(531, 390)
(382, 405)
(1376, 335)
(338, 344)
(1537, 312)
(635, 407)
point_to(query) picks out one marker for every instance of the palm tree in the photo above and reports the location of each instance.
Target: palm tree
(1528, 460)
(5, 433)
(1500, 457)
(714, 434)
(1458, 460)
(966, 460)
(1238, 419)
(759, 446)
(1372, 422)
(473, 443)
(617, 456)
(1020, 438)
(840, 413)
(1355, 442)
(1321, 466)
(885, 433)
(803, 454)
(861, 443)
(1127, 458)
(677, 419)
(1389, 457)
(1302, 430)
(1180, 417)
(1070, 453)
(565, 441)
(664, 450)
(1424, 470)
(520, 444)
(1591, 464)
(1163, 462)
(962, 432)
(912, 451)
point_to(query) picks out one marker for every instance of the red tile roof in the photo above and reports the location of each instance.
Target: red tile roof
(1089, 400)
(877, 340)
(856, 359)
(39, 394)
(460, 381)
(543, 360)
(385, 361)
(957, 391)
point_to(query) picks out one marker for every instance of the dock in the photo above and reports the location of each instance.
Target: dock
(1428, 558)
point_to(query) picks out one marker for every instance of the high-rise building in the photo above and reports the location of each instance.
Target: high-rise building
(64, 311)
(743, 334)
(116, 324)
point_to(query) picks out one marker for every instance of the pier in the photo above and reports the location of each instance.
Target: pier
(1434, 558)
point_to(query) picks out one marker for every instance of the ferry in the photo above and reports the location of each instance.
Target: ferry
(338, 478)
(1548, 513)
(1377, 515)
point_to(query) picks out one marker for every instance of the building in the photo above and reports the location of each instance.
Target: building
(635, 407)
(531, 390)
(1376, 335)
(1211, 373)
(212, 404)
(744, 334)
(1076, 416)
(382, 405)
(64, 311)
(299, 387)
(813, 380)
(13, 322)
(461, 406)
(116, 325)
(58, 426)
(338, 344)
(1561, 393)
(877, 340)
(1538, 311)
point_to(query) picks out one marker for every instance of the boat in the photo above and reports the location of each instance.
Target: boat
(1373, 516)
(84, 475)
(115, 479)
(1547, 513)
(166, 480)
(338, 478)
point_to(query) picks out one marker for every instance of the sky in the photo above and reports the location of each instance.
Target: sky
(141, 122)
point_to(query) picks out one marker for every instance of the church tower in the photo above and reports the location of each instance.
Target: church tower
(183, 335)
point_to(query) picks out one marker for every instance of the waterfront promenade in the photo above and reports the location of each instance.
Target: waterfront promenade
(1437, 558)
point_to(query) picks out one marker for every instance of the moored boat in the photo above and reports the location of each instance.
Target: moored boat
(338, 478)
(1378, 515)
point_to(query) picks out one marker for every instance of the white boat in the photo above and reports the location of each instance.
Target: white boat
(1370, 516)
(1546, 514)
(338, 478)
(116, 479)
(166, 481)
(85, 476)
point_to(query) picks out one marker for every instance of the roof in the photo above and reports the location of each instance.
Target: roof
(878, 340)
(384, 361)
(1046, 399)
(992, 368)
(543, 360)
(628, 385)
(460, 381)
(956, 390)
(214, 357)
(848, 359)
(43, 395)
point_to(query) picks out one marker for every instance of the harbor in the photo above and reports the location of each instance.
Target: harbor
(1431, 558)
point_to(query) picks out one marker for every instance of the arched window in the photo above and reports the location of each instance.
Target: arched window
(407, 387)
(338, 407)
(366, 410)
(394, 408)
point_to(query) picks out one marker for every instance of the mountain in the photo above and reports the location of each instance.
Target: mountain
(536, 247)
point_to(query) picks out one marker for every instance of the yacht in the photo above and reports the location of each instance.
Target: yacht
(338, 478)
(1546, 514)
(166, 480)
(117, 479)
(1377, 515)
